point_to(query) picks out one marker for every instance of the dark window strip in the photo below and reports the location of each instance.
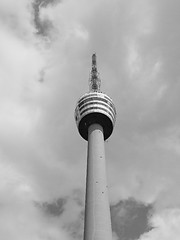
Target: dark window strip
(97, 109)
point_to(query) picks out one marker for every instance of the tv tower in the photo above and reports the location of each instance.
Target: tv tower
(95, 116)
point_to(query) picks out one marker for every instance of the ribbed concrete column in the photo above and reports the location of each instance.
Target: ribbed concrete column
(97, 211)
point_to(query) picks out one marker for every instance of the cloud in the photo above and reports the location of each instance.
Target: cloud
(130, 219)
(43, 27)
(19, 217)
(166, 225)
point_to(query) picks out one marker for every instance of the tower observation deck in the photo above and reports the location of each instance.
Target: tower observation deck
(95, 116)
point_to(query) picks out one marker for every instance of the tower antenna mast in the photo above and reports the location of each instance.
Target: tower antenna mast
(95, 82)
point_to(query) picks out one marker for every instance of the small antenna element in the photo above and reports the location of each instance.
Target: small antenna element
(95, 82)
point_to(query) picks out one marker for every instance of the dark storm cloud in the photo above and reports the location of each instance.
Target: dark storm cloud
(130, 219)
(55, 208)
(43, 26)
(69, 211)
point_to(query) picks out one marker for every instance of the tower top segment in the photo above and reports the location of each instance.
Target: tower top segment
(94, 81)
(95, 107)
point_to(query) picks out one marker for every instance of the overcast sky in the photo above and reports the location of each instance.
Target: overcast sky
(45, 60)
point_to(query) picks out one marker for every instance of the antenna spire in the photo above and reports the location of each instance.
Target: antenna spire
(95, 82)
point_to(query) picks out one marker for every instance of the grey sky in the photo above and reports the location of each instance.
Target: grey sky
(45, 61)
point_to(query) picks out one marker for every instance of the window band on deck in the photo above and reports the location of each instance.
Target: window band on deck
(103, 109)
(95, 99)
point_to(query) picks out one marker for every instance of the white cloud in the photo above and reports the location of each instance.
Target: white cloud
(19, 218)
(166, 226)
(17, 17)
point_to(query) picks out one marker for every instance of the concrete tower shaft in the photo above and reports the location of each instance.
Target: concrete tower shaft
(95, 116)
(97, 225)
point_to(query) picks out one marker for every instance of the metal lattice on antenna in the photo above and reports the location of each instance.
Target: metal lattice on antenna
(94, 82)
